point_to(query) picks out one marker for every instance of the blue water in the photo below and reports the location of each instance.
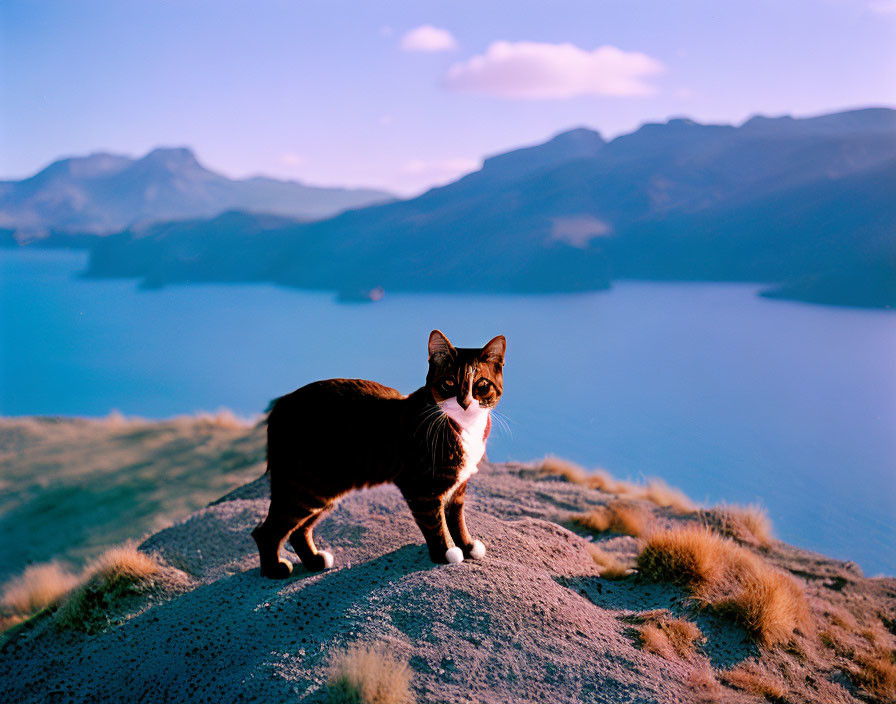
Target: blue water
(725, 394)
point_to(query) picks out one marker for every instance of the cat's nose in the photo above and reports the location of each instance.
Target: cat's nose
(464, 402)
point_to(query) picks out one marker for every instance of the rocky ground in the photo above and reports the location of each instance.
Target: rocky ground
(533, 621)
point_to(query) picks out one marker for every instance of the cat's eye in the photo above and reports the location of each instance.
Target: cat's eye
(448, 383)
(482, 385)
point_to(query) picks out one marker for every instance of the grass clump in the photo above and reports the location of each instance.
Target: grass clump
(610, 566)
(687, 556)
(746, 524)
(669, 637)
(570, 471)
(875, 672)
(665, 496)
(82, 601)
(729, 579)
(364, 674)
(114, 575)
(617, 517)
(39, 587)
(752, 678)
(655, 491)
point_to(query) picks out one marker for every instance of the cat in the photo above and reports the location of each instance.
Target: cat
(330, 437)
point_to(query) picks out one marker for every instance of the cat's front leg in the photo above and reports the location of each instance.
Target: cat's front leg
(457, 525)
(429, 513)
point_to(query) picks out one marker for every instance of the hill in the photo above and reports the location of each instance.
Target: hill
(102, 193)
(592, 590)
(110, 480)
(803, 204)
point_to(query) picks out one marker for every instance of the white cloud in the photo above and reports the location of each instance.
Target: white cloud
(428, 38)
(538, 71)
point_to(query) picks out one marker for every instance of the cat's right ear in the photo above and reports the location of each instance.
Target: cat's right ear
(439, 345)
(495, 350)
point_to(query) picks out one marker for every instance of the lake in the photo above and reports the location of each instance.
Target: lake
(718, 391)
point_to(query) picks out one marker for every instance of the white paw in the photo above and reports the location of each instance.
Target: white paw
(454, 555)
(478, 549)
(328, 558)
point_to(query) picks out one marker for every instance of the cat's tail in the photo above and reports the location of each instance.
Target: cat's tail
(265, 421)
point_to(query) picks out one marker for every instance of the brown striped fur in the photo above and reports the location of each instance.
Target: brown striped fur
(330, 437)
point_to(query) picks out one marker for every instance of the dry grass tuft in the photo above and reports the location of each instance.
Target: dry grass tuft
(365, 675)
(39, 587)
(81, 601)
(746, 524)
(683, 635)
(617, 516)
(752, 678)
(689, 555)
(842, 618)
(670, 638)
(703, 684)
(729, 579)
(123, 564)
(865, 652)
(116, 573)
(661, 494)
(611, 567)
(768, 602)
(656, 491)
(876, 673)
(570, 471)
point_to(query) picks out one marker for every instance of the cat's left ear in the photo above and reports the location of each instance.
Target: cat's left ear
(494, 350)
(439, 345)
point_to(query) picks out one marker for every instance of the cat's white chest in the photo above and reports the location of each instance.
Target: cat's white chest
(473, 444)
(473, 423)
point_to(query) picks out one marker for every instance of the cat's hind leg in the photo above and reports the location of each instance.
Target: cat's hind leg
(302, 541)
(269, 537)
(457, 525)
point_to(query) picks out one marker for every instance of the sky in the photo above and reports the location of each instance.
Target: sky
(406, 95)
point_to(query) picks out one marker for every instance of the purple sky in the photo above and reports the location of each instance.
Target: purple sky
(404, 95)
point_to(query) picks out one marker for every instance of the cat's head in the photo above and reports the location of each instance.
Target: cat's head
(472, 377)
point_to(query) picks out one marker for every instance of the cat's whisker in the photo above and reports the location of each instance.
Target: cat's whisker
(428, 414)
(445, 428)
(433, 440)
(503, 422)
(434, 417)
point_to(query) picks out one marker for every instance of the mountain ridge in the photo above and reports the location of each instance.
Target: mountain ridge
(803, 205)
(104, 192)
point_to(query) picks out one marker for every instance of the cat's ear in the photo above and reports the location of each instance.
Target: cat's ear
(439, 345)
(494, 350)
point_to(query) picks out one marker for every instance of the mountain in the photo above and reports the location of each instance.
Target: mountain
(102, 193)
(791, 202)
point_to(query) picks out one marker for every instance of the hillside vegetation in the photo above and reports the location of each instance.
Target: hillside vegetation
(649, 599)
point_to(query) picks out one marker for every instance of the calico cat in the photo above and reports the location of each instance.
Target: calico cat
(330, 437)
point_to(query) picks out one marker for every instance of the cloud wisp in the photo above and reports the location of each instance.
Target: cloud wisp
(444, 167)
(540, 71)
(882, 7)
(428, 38)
